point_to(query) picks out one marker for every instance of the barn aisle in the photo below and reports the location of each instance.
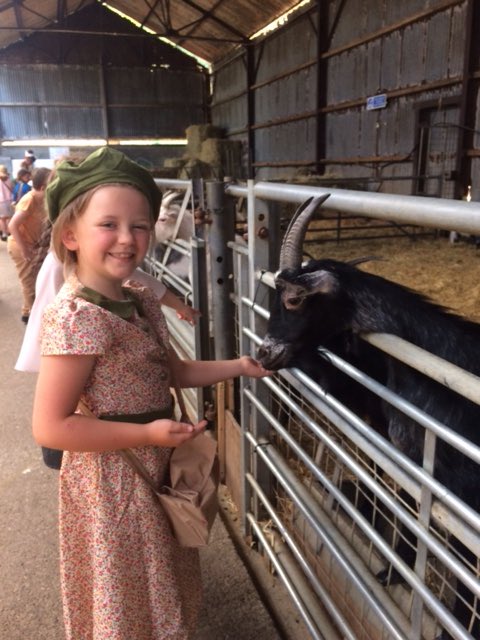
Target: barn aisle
(29, 589)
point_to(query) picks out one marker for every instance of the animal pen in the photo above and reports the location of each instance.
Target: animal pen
(301, 467)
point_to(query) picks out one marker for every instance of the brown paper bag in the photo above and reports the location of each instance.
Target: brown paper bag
(190, 501)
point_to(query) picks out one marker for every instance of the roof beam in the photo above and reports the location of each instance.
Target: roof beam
(18, 15)
(209, 14)
(165, 19)
(114, 34)
(197, 23)
(60, 10)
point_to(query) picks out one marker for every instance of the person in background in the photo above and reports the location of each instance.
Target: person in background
(28, 161)
(123, 574)
(25, 227)
(6, 201)
(21, 186)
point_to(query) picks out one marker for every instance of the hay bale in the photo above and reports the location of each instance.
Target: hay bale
(165, 172)
(174, 163)
(225, 156)
(196, 134)
(194, 168)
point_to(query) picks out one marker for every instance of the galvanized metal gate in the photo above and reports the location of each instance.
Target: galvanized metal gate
(302, 468)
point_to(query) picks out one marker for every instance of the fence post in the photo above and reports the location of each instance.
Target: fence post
(221, 230)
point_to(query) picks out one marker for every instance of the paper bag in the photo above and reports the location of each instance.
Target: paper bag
(191, 501)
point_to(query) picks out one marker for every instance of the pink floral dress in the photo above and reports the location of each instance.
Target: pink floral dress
(123, 575)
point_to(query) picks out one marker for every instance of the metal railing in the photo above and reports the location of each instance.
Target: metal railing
(302, 447)
(317, 479)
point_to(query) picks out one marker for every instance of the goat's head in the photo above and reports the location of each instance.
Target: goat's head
(169, 209)
(168, 226)
(311, 304)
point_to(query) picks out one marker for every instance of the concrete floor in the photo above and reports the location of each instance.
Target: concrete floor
(29, 586)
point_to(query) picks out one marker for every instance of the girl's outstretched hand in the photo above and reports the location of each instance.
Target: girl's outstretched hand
(252, 368)
(189, 314)
(169, 433)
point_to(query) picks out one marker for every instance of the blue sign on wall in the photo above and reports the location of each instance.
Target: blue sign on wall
(377, 102)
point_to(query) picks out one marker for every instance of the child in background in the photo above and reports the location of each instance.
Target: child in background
(21, 186)
(6, 201)
(28, 161)
(123, 574)
(25, 227)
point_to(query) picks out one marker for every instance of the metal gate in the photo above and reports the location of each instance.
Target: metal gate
(310, 467)
(304, 470)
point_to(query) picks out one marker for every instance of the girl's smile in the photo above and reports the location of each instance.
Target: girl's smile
(110, 238)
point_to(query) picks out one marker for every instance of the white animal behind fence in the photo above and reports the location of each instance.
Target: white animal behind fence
(175, 222)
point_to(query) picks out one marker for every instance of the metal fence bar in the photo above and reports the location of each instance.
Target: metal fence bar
(438, 549)
(437, 213)
(415, 582)
(469, 515)
(307, 618)
(319, 521)
(293, 546)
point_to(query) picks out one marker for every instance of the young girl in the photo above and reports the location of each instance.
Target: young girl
(123, 575)
(48, 282)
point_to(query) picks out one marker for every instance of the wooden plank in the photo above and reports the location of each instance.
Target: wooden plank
(220, 401)
(233, 440)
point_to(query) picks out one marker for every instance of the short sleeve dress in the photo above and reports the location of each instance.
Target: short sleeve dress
(123, 575)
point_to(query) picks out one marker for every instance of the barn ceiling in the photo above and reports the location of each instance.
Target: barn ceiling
(210, 29)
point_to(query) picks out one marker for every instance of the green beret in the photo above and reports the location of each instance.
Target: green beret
(103, 166)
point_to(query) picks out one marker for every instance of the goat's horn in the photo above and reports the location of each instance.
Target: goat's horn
(291, 250)
(168, 197)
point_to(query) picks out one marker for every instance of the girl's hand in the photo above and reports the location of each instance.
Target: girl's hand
(188, 314)
(169, 433)
(252, 368)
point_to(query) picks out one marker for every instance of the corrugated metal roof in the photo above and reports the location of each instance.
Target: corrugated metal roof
(210, 29)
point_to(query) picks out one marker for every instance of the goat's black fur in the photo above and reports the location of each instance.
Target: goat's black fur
(354, 302)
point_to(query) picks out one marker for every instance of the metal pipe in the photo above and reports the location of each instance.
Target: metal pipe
(312, 627)
(450, 375)
(438, 213)
(412, 524)
(172, 183)
(288, 481)
(221, 231)
(374, 445)
(306, 567)
(468, 514)
(445, 495)
(467, 447)
(336, 545)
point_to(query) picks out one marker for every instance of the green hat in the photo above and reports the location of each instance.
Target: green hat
(103, 166)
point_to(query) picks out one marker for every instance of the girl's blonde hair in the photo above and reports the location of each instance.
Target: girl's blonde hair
(72, 211)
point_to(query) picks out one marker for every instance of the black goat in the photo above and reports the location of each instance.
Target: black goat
(327, 300)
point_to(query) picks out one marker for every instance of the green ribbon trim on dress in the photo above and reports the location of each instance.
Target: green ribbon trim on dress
(122, 308)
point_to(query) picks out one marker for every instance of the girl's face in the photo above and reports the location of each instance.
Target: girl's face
(110, 238)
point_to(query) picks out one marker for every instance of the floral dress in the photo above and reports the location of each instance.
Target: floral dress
(123, 575)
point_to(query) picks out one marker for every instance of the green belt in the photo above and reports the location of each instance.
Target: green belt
(141, 418)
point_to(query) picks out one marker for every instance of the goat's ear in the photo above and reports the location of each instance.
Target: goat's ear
(319, 282)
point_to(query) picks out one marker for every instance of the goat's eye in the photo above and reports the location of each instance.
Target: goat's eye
(294, 302)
